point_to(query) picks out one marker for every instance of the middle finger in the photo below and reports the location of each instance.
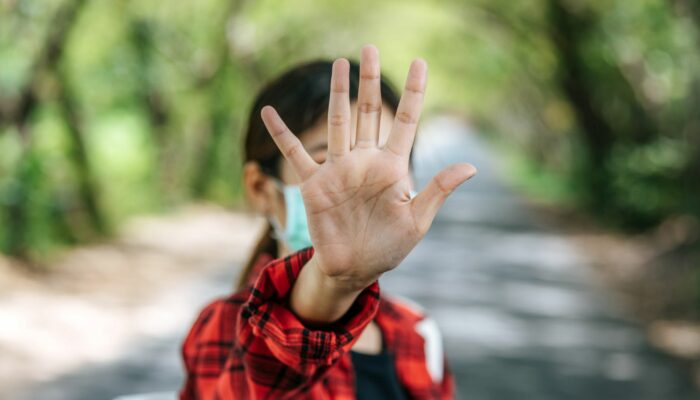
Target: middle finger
(369, 98)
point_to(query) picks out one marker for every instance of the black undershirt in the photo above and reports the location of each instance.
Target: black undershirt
(375, 377)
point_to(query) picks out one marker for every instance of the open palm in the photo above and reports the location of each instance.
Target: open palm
(361, 217)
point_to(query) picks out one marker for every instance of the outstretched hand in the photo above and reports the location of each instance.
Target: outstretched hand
(361, 217)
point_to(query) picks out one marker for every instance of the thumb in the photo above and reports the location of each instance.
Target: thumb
(428, 202)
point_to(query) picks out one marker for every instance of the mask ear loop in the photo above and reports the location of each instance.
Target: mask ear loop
(277, 232)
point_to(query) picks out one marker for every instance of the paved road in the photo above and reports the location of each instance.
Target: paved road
(151, 363)
(519, 310)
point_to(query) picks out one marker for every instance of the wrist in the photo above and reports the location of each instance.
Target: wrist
(319, 298)
(342, 284)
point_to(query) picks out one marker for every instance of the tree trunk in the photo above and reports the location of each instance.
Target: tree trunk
(78, 154)
(19, 114)
(151, 98)
(219, 119)
(565, 32)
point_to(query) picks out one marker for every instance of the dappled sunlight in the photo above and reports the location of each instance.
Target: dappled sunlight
(137, 177)
(111, 298)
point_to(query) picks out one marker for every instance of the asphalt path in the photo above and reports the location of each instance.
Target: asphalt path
(521, 313)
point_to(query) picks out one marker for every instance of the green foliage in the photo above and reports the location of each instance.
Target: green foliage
(161, 93)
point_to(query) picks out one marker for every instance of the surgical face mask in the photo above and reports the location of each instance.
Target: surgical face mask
(295, 233)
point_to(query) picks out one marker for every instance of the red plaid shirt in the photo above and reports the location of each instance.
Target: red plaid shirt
(251, 346)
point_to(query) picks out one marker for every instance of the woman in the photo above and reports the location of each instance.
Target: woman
(308, 322)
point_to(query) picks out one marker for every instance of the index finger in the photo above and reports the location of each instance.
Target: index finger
(288, 143)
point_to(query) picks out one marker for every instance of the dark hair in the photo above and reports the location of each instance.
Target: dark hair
(300, 96)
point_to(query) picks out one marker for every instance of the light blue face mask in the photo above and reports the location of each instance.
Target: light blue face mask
(295, 234)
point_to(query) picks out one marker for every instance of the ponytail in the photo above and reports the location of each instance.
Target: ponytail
(266, 244)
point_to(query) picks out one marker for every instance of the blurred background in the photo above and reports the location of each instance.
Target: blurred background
(571, 264)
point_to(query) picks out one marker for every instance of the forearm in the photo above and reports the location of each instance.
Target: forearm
(268, 326)
(319, 299)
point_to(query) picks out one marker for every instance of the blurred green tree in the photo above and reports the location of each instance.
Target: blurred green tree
(108, 109)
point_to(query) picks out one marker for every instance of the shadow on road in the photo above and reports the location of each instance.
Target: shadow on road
(521, 315)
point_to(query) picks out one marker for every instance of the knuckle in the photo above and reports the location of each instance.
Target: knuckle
(414, 90)
(337, 120)
(369, 107)
(340, 88)
(420, 226)
(292, 151)
(275, 133)
(370, 76)
(393, 151)
(441, 187)
(406, 118)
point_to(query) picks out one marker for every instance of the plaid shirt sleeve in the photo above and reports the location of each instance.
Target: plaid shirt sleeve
(252, 346)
